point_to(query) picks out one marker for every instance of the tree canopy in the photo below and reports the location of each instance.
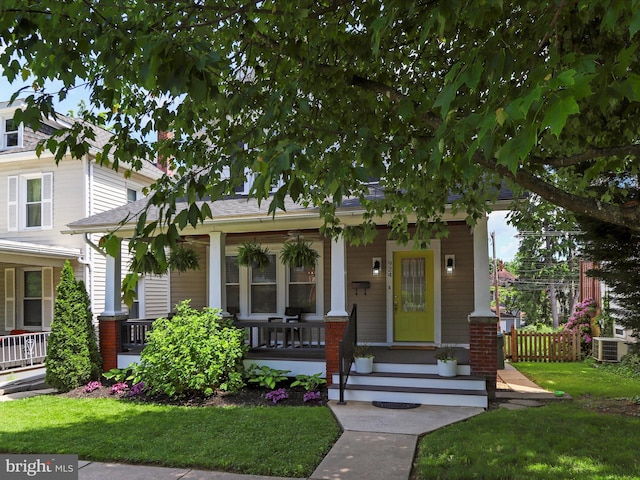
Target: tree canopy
(434, 99)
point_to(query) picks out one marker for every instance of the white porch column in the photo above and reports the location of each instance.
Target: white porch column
(217, 272)
(113, 286)
(338, 278)
(481, 291)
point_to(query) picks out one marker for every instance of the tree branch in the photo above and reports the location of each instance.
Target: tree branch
(589, 154)
(606, 212)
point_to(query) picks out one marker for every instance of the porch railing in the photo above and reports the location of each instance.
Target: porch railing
(345, 350)
(298, 335)
(24, 350)
(133, 334)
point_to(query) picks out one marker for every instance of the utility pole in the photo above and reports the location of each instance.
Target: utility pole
(552, 287)
(495, 278)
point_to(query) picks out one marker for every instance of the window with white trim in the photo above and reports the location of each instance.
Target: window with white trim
(32, 312)
(132, 195)
(11, 134)
(302, 288)
(263, 293)
(264, 287)
(232, 283)
(30, 202)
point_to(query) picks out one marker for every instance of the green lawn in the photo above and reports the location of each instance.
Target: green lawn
(563, 439)
(279, 441)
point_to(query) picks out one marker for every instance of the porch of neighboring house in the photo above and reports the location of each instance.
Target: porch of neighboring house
(22, 355)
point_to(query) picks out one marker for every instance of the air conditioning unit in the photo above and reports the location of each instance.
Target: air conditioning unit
(609, 349)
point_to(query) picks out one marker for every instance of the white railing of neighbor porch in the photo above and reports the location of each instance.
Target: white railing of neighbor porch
(23, 350)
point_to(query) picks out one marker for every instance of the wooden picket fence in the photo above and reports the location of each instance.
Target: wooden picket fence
(542, 347)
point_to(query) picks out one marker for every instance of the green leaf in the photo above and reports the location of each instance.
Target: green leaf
(556, 116)
(501, 116)
(445, 98)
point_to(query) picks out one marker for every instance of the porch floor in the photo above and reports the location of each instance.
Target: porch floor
(413, 355)
(383, 354)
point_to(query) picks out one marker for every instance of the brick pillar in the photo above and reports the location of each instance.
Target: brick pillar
(334, 328)
(109, 328)
(483, 350)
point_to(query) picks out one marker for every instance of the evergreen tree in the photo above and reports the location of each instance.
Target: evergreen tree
(71, 351)
(92, 339)
(617, 251)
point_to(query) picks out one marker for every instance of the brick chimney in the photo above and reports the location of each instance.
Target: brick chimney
(161, 162)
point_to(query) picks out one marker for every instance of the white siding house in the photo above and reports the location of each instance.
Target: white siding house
(37, 200)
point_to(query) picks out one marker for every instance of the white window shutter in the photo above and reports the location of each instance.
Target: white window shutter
(47, 297)
(9, 299)
(47, 200)
(12, 204)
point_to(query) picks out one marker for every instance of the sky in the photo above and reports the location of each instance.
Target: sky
(506, 242)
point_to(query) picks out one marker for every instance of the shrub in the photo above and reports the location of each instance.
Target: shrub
(580, 321)
(266, 376)
(309, 382)
(72, 351)
(193, 353)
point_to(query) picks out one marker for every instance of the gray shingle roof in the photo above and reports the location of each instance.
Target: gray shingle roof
(31, 137)
(236, 207)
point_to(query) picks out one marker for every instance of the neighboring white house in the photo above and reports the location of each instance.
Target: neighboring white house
(37, 199)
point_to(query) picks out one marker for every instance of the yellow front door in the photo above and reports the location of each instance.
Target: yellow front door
(413, 296)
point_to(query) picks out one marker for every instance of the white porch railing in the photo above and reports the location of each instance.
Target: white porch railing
(23, 350)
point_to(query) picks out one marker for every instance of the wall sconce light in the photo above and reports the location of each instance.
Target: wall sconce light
(377, 266)
(449, 263)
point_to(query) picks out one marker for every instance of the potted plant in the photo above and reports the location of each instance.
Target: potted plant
(298, 253)
(363, 359)
(447, 361)
(252, 254)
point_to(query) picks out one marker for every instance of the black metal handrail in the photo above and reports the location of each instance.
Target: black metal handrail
(345, 350)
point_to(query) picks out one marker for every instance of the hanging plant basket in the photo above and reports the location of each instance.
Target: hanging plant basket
(183, 258)
(298, 253)
(252, 254)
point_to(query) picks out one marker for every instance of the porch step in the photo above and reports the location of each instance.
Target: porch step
(423, 396)
(416, 368)
(406, 386)
(416, 380)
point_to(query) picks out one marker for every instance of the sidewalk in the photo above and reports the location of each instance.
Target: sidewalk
(376, 443)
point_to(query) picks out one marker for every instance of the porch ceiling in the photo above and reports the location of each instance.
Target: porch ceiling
(34, 253)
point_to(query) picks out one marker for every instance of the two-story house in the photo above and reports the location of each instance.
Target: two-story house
(37, 199)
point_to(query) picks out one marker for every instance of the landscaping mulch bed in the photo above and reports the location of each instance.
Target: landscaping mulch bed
(249, 396)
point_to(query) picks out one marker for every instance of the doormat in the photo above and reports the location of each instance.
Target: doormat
(395, 405)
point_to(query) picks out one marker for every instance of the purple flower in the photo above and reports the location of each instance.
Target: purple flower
(276, 395)
(312, 397)
(137, 389)
(118, 388)
(92, 386)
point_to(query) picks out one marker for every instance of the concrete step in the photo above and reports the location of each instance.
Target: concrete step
(413, 383)
(422, 368)
(24, 385)
(423, 396)
(415, 380)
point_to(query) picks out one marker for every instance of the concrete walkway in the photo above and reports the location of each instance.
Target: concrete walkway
(376, 443)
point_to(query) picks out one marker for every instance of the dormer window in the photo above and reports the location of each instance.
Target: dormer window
(11, 134)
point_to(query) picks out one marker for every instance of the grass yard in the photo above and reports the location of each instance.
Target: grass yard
(278, 441)
(564, 439)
